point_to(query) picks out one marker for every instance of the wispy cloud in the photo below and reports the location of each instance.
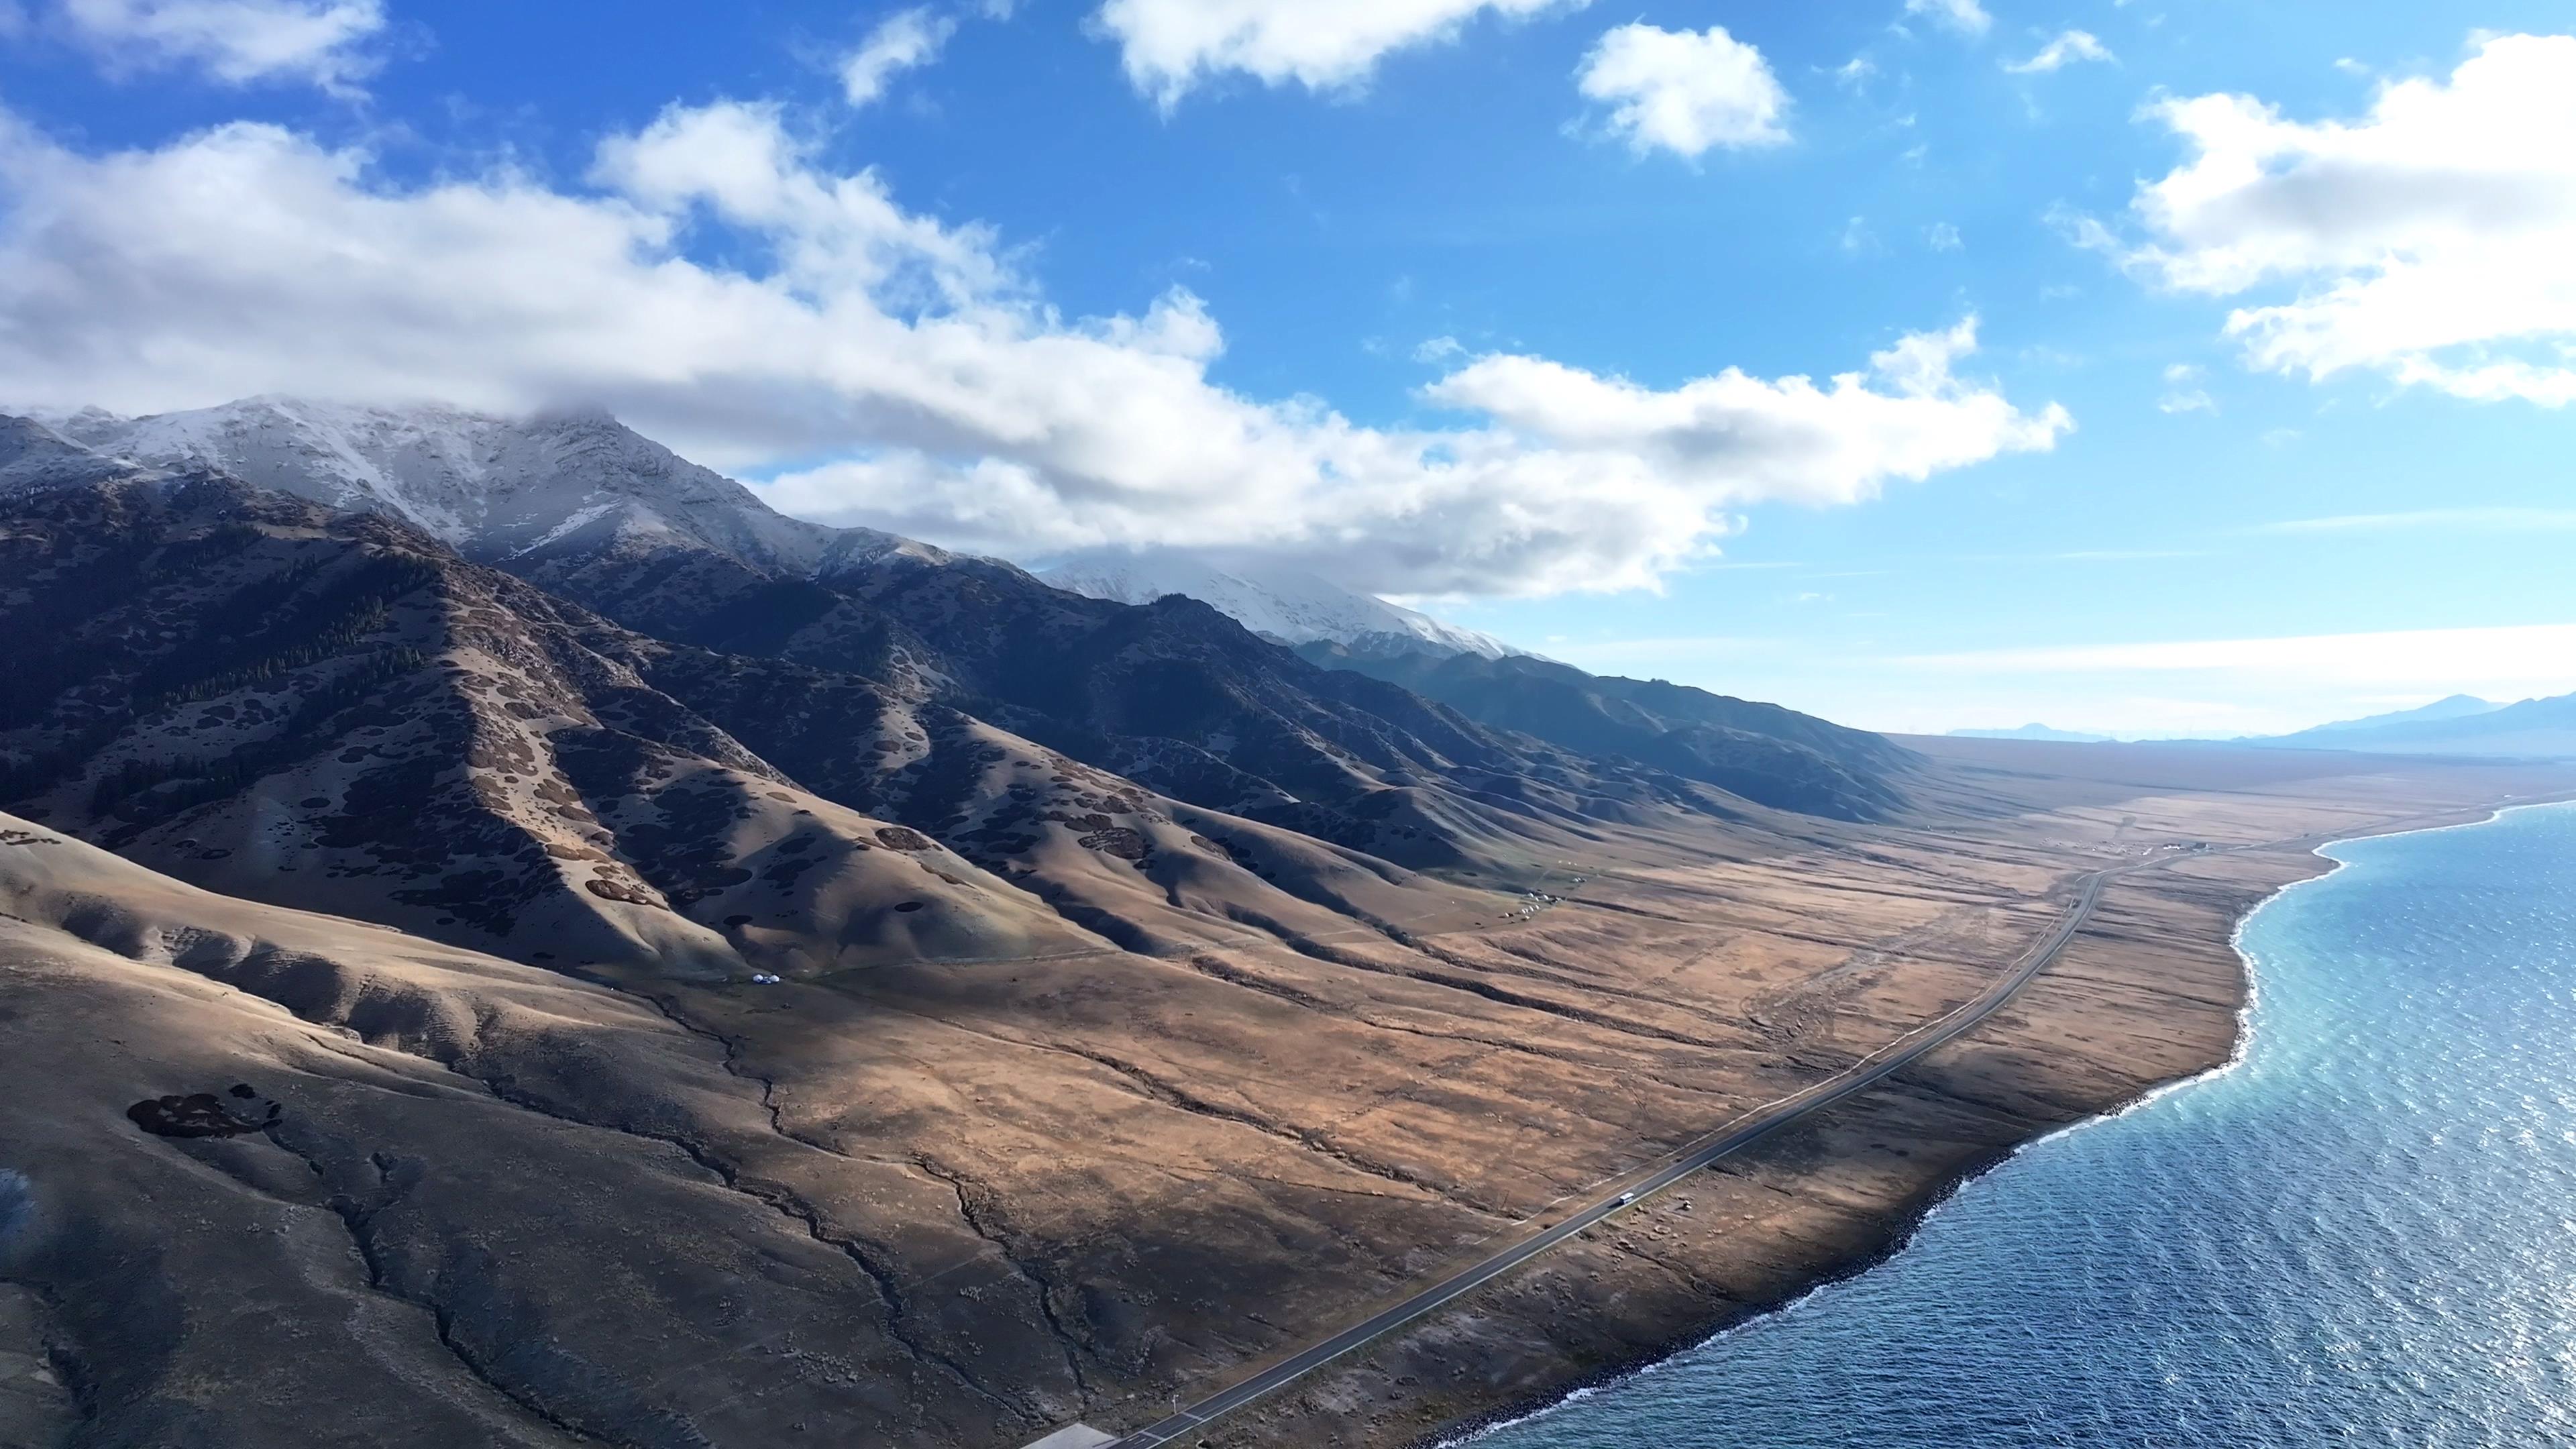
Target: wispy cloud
(1965, 16)
(906, 40)
(2486, 519)
(326, 43)
(2508, 660)
(2183, 392)
(2122, 555)
(2079, 555)
(2069, 48)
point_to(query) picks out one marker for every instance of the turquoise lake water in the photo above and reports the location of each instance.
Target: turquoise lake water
(2363, 1233)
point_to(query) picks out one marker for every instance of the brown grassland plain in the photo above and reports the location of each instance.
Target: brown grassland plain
(961, 1204)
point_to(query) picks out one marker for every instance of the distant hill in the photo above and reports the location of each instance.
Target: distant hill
(1763, 752)
(2458, 706)
(2032, 732)
(2535, 728)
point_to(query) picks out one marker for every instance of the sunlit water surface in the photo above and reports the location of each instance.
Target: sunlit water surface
(2364, 1233)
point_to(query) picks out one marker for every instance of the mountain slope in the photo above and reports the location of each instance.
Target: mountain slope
(331, 710)
(328, 709)
(383, 1191)
(1288, 605)
(34, 456)
(1762, 752)
(2538, 728)
(2458, 706)
(1179, 697)
(1173, 694)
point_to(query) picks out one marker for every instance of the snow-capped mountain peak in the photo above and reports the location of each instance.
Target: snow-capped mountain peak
(1285, 604)
(494, 487)
(562, 490)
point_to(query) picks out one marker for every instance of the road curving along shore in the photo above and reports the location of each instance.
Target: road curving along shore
(1636, 1188)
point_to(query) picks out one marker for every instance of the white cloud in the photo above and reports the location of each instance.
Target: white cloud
(2493, 519)
(1856, 73)
(902, 41)
(2183, 392)
(1966, 16)
(250, 258)
(237, 42)
(1168, 47)
(1941, 236)
(2432, 240)
(2069, 48)
(2208, 689)
(2507, 662)
(1684, 91)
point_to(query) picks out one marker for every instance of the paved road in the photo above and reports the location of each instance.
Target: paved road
(1742, 1133)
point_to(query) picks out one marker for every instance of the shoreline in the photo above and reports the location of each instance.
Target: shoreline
(1909, 1220)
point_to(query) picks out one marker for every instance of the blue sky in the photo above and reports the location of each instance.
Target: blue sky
(1498, 305)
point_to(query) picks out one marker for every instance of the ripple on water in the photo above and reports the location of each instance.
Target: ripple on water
(2364, 1233)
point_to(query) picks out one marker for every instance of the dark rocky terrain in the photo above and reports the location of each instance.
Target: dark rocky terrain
(1767, 754)
(1172, 694)
(332, 710)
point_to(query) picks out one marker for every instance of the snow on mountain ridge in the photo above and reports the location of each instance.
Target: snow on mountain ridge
(494, 487)
(1284, 604)
(35, 455)
(554, 490)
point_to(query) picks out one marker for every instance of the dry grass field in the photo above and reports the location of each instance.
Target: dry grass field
(961, 1202)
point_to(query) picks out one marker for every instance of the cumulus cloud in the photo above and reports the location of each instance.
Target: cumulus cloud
(1965, 16)
(2432, 240)
(1168, 47)
(237, 42)
(952, 402)
(903, 41)
(1684, 91)
(2070, 47)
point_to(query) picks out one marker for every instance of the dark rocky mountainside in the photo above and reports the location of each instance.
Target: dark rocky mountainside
(1179, 697)
(333, 711)
(1172, 694)
(1767, 754)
